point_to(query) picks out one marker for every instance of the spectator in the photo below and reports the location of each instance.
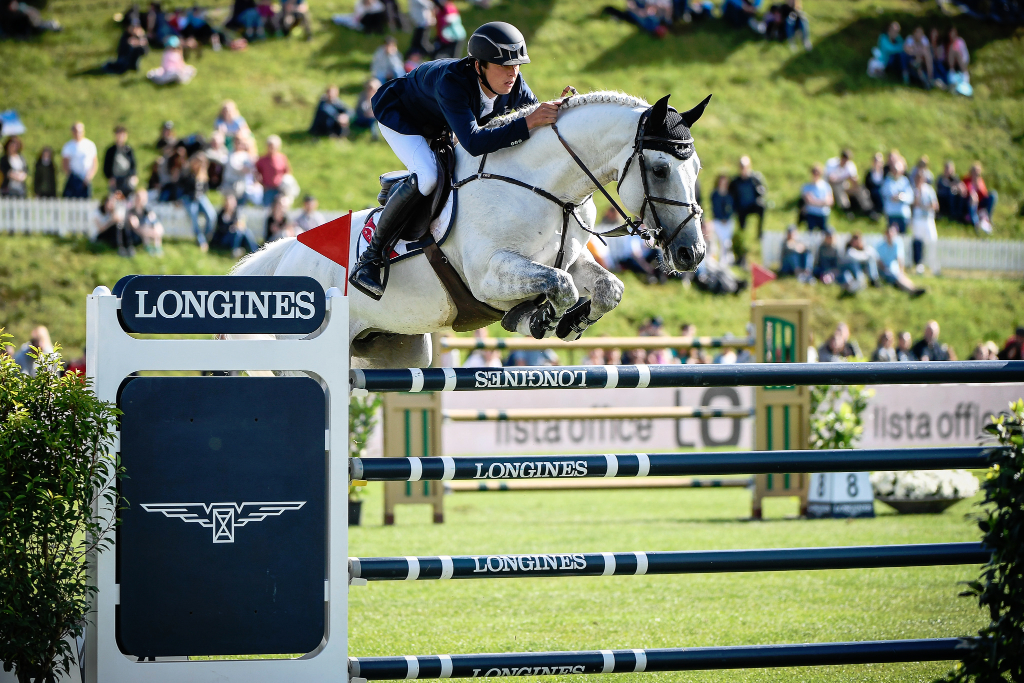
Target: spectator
(950, 191)
(784, 20)
(938, 54)
(886, 349)
(173, 162)
(13, 170)
(740, 13)
(986, 351)
(613, 356)
(797, 259)
(194, 182)
(859, 264)
(891, 262)
(293, 13)
(278, 224)
(921, 167)
(594, 357)
(533, 357)
(904, 348)
(230, 122)
(167, 136)
(142, 219)
(112, 227)
(919, 51)
(231, 232)
(827, 260)
(364, 116)
(158, 29)
(240, 173)
(332, 117)
(929, 348)
(1013, 349)
(629, 253)
(873, 180)
(387, 61)
(897, 196)
(926, 237)
(721, 221)
(818, 200)
(217, 154)
(451, 34)
(748, 191)
(957, 58)
(635, 357)
(310, 217)
(45, 176)
(196, 30)
(131, 48)
(640, 13)
(841, 174)
(981, 202)
(890, 52)
(22, 20)
(832, 350)
(39, 339)
(483, 358)
(247, 18)
(368, 16)
(850, 349)
(80, 163)
(173, 68)
(422, 14)
(271, 169)
(119, 164)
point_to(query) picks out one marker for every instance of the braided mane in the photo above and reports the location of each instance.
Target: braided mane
(596, 97)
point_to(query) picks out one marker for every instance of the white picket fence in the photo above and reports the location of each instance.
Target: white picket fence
(75, 217)
(955, 253)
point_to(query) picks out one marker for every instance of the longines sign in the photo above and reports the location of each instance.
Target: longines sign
(221, 304)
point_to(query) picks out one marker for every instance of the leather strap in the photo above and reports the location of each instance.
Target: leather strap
(471, 313)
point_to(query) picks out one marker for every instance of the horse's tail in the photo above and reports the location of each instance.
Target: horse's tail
(264, 261)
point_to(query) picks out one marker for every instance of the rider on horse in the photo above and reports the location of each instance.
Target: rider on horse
(456, 96)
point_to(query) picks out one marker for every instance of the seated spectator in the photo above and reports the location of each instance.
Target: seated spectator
(230, 122)
(240, 173)
(938, 51)
(784, 20)
(904, 347)
(928, 347)
(332, 116)
(167, 136)
(194, 182)
(368, 16)
(897, 196)
(981, 202)
(986, 350)
(1013, 349)
(143, 221)
(921, 167)
(39, 339)
(629, 253)
(740, 13)
(173, 68)
(278, 224)
(421, 12)
(483, 358)
(21, 20)
(364, 117)
(271, 168)
(926, 238)
(169, 168)
(231, 232)
(818, 200)
(246, 18)
(13, 170)
(891, 262)
(721, 218)
(594, 357)
(827, 260)
(293, 13)
(832, 350)
(387, 62)
(841, 175)
(111, 227)
(451, 34)
(885, 352)
(919, 51)
(131, 48)
(310, 217)
(850, 349)
(217, 154)
(859, 264)
(957, 61)
(890, 53)
(119, 164)
(950, 191)
(873, 180)
(80, 163)
(640, 13)
(158, 28)
(44, 180)
(531, 357)
(797, 259)
(714, 278)
(196, 30)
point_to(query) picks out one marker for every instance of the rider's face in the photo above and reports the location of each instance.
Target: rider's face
(501, 78)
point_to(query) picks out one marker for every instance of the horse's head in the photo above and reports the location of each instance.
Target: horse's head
(659, 181)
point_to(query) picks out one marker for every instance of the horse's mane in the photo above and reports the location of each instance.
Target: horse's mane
(597, 97)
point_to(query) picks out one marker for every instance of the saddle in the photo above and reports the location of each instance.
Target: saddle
(471, 313)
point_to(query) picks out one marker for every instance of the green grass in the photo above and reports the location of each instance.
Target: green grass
(392, 618)
(786, 110)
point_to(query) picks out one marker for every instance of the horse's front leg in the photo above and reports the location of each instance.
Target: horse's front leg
(511, 277)
(601, 292)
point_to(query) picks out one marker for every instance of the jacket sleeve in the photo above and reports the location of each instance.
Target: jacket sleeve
(132, 168)
(461, 119)
(108, 162)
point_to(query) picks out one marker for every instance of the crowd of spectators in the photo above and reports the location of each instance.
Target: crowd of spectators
(930, 61)
(20, 20)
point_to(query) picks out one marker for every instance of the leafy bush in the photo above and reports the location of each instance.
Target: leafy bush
(55, 439)
(362, 418)
(999, 654)
(837, 415)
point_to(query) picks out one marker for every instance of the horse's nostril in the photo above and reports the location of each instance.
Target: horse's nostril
(684, 254)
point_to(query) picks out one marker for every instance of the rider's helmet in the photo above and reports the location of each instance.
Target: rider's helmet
(497, 42)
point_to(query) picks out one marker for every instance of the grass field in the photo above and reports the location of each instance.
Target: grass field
(392, 618)
(785, 109)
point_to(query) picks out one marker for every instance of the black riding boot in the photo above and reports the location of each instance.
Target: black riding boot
(368, 272)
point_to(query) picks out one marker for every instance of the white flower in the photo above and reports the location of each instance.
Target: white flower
(917, 484)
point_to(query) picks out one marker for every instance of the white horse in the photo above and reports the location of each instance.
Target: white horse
(506, 238)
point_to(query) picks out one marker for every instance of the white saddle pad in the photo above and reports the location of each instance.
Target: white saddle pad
(440, 228)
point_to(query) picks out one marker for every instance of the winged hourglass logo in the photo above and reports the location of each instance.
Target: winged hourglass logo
(222, 517)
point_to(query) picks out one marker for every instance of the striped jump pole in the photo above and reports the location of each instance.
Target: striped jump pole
(587, 343)
(672, 562)
(599, 413)
(672, 659)
(664, 464)
(642, 376)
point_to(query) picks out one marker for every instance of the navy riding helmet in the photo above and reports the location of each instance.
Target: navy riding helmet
(498, 42)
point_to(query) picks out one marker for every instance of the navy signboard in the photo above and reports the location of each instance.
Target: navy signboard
(221, 304)
(221, 549)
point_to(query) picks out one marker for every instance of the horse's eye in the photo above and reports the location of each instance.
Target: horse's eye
(661, 171)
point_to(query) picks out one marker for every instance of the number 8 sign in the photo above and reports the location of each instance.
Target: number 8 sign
(840, 494)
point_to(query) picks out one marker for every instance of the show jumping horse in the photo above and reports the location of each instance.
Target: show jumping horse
(523, 218)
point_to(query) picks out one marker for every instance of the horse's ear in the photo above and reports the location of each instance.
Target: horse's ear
(659, 112)
(690, 117)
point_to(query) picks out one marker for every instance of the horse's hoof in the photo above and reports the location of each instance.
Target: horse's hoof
(575, 321)
(510, 321)
(543, 321)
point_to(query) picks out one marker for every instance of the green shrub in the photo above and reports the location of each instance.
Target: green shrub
(837, 415)
(55, 469)
(362, 418)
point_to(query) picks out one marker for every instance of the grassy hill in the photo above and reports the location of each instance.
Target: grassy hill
(785, 109)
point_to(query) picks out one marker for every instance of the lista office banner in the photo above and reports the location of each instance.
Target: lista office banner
(221, 304)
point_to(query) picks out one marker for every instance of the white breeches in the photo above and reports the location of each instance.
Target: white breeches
(415, 153)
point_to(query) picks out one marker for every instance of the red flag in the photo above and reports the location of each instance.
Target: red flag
(760, 275)
(331, 240)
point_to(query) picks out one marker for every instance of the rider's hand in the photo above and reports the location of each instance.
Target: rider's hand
(544, 115)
